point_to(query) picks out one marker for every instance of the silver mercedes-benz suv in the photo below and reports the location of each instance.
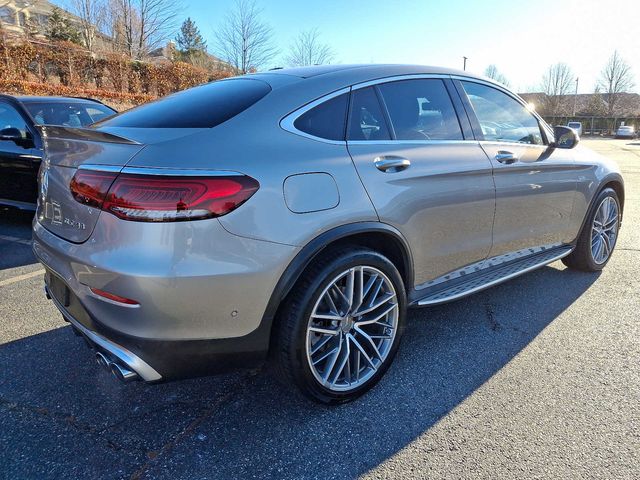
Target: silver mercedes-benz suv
(295, 215)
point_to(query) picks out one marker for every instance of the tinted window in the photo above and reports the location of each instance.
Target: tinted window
(201, 107)
(367, 120)
(67, 114)
(98, 112)
(421, 110)
(11, 120)
(501, 117)
(327, 120)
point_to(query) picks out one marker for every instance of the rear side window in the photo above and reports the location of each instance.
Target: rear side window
(201, 107)
(421, 110)
(326, 120)
(367, 120)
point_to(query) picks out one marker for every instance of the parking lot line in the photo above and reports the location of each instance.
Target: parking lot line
(9, 238)
(18, 278)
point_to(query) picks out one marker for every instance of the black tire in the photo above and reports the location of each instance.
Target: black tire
(581, 258)
(288, 351)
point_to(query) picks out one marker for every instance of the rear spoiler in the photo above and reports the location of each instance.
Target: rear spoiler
(83, 134)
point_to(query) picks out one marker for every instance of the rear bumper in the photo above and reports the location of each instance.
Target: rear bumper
(155, 361)
(103, 345)
(202, 294)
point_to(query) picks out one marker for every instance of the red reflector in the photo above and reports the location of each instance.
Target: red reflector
(115, 298)
(160, 198)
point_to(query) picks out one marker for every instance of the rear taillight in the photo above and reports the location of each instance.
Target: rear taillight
(160, 198)
(90, 188)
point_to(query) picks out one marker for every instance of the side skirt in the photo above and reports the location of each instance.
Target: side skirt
(464, 284)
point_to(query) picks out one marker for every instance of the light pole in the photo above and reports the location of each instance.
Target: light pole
(575, 97)
(464, 63)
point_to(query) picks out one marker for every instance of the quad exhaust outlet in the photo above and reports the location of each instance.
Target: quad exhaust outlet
(119, 371)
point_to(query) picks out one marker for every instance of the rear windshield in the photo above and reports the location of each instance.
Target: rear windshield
(574, 124)
(201, 107)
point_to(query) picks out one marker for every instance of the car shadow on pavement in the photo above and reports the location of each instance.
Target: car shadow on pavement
(61, 415)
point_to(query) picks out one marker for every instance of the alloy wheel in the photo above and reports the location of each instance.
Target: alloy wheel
(604, 230)
(352, 328)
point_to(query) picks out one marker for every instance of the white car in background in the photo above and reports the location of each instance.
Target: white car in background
(577, 126)
(626, 131)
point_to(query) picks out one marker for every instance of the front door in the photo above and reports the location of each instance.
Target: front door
(423, 176)
(535, 184)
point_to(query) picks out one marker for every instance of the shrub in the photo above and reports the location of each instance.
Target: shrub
(62, 68)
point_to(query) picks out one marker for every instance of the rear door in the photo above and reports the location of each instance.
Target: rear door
(424, 175)
(535, 185)
(19, 159)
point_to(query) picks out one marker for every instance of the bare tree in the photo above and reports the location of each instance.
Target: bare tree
(139, 26)
(596, 105)
(556, 82)
(244, 41)
(92, 15)
(158, 22)
(493, 73)
(307, 49)
(122, 25)
(616, 78)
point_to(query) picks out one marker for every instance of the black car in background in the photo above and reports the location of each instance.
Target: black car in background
(21, 145)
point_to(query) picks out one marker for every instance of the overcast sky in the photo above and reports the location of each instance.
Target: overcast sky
(521, 37)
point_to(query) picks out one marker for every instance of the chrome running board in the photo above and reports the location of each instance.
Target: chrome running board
(474, 282)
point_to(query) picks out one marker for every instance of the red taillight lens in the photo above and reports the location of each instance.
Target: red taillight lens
(159, 198)
(90, 188)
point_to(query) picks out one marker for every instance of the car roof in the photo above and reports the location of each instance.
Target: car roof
(363, 69)
(41, 99)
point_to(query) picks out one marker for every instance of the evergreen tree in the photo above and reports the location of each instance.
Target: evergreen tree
(59, 27)
(190, 41)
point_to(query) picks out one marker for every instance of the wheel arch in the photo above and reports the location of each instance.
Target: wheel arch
(380, 237)
(614, 181)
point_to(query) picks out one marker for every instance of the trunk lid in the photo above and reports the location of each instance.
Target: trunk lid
(65, 150)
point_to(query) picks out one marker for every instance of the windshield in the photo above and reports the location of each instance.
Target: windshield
(72, 114)
(574, 124)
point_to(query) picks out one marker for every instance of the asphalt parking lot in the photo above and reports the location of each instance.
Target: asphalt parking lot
(536, 378)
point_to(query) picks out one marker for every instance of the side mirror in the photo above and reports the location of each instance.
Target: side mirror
(565, 137)
(11, 134)
(14, 135)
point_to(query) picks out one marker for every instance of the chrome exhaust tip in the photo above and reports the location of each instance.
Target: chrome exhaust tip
(122, 373)
(102, 360)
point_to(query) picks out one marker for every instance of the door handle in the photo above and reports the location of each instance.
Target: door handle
(503, 156)
(391, 164)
